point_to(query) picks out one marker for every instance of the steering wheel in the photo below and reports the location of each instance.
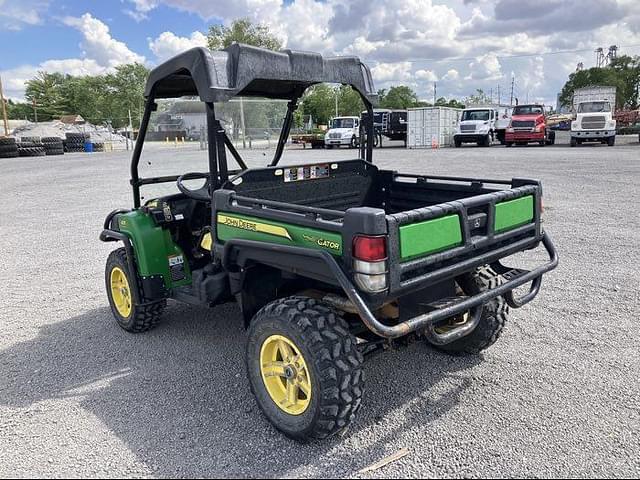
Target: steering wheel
(203, 193)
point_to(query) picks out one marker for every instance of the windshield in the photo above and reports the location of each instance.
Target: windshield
(594, 107)
(475, 115)
(528, 110)
(343, 123)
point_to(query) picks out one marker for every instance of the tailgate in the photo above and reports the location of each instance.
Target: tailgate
(431, 244)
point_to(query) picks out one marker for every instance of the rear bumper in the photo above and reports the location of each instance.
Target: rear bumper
(592, 134)
(515, 278)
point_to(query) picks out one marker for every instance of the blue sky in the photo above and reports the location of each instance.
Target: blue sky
(460, 44)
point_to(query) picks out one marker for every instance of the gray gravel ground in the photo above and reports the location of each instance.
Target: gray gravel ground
(558, 395)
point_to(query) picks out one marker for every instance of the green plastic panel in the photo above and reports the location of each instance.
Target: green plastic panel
(235, 226)
(153, 247)
(513, 213)
(430, 236)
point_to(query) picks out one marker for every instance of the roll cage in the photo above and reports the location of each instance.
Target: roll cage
(243, 70)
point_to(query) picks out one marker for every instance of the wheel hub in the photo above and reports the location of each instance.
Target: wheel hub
(285, 374)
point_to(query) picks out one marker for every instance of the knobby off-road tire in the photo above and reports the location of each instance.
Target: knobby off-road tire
(10, 154)
(494, 314)
(31, 151)
(7, 141)
(333, 364)
(143, 315)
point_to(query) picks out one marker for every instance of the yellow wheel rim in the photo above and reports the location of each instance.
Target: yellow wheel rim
(120, 292)
(285, 374)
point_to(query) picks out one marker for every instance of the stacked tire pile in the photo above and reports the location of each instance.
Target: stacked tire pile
(98, 147)
(53, 145)
(8, 147)
(74, 142)
(31, 147)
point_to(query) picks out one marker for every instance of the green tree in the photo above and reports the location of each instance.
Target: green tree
(399, 96)
(319, 102)
(622, 73)
(242, 31)
(45, 90)
(19, 110)
(478, 98)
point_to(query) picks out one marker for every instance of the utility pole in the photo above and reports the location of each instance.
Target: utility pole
(435, 89)
(491, 95)
(498, 94)
(513, 78)
(4, 111)
(337, 101)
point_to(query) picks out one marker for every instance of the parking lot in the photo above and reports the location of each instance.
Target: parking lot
(557, 396)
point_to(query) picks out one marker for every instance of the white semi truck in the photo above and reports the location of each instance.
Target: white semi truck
(343, 131)
(483, 124)
(593, 108)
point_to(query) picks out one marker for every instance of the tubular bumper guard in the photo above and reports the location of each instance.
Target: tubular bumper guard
(514, 279)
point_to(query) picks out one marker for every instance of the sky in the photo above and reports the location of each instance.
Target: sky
(460, 45)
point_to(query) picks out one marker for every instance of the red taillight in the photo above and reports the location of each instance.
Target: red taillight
(370, 249)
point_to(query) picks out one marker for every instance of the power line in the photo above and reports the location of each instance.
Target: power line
(515, 55)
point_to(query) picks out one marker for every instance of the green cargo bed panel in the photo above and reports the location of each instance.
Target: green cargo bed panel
(430, 236)
(513, 213)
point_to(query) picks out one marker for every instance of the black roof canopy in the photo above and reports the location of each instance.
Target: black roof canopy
(217, 76)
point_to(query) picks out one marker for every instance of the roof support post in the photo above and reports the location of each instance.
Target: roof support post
(150, 106)
(366, 148)
(286, 129)
(212, 137)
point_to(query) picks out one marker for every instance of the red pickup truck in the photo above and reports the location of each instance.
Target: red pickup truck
(529, 124)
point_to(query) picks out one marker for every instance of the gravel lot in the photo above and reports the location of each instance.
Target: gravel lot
(558, 395)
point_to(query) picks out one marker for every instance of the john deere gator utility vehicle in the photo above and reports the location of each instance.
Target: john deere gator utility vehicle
(328, 261)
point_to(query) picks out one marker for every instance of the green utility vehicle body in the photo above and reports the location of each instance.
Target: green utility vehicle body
(342, 247)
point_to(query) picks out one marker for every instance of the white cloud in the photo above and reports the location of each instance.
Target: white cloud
(485, 67)
(168, 44)
(98, 44)
(14, 14)
(101, 54)
(426, 75)
(451, 75)
(390, 72)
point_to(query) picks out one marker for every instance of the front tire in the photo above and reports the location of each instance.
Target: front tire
(308, 383)
(494, 314)
(128, 305)
(611, 141)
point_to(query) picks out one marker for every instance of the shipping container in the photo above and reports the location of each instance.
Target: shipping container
(430, 127)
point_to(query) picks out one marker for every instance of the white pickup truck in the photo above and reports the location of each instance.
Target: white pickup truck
(482, 125)
(593, 107)
(343, 131)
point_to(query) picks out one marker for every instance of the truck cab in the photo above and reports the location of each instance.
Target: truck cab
(343, 131)
(477, 125)
(594, 123)
(529, 124)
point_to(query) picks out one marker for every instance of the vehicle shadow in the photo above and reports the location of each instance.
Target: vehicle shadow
(179, 399)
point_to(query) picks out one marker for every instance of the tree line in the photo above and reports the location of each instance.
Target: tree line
(99, 99)
(622, 72)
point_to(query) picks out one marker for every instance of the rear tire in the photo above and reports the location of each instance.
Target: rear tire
(494, 314)
(137, 315)
(324, 358)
